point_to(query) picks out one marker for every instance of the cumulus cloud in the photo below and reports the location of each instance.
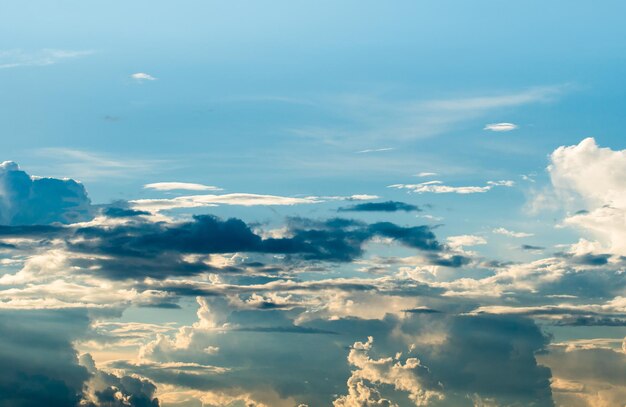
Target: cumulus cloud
(596, 177)
(500, 127)
(27, 200)
(45, 368)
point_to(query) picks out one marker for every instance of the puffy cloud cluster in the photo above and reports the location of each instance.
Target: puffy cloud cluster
(594, 177)
(27, 200)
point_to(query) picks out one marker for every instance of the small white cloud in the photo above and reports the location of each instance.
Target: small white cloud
(500, 127)
(426, 174)
(506, 232)
(501, 183)
(458, 242)
(181, 186)
(141, 76)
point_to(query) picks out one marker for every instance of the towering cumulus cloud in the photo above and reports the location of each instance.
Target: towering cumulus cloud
(594, 178)
(28, 200)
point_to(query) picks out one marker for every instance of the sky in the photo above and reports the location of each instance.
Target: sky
(312, 203)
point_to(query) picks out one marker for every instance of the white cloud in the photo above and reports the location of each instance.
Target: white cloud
(375, 150)
(596, 178)
(196, 201)
(405, 377)
(426, 174)
(87, 165)
(499, 127)
(437, 187)
(458, 242)
(183, 186)
(381, 119)
(506, 232)
(44, 57)
(142, 76)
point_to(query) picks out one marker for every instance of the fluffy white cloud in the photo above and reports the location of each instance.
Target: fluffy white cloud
(405, 377)
(596, 178)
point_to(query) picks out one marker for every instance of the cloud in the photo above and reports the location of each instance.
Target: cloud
(157, 249)
(506, 232)
(45, 369)
(27, 200)
(458, 242)
(185, 186)
(240, 199)
(388, 206)
(376, 150)
(500, 127)
(198, 201)
(141, 76)
(587, 377)
(405, 377)
(88, 165)
(437, 187)
(44, 57)
(377, 119)
(426, 174)
(597, 177)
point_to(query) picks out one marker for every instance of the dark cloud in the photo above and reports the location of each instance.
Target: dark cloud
(40, 367)
(157, 249)
(117, 212)
(469, 361)
(388, 206)
(531, 247)
(39, 364)
(25, 200)
(113, 391)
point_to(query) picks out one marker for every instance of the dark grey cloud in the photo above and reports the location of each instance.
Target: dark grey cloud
(39, 364)
(530, 247)
(312, 369)
(388, 206)
(120, 212)
(150, 249)
(106, 387)
(40, 367)
(26, 200)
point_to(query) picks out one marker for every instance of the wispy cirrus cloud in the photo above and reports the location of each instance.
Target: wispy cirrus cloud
(377, 118)
(180, 186)
(375, 150)
(48, 56)
(89, 165)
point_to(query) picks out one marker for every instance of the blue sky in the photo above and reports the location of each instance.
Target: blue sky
(200, 197)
